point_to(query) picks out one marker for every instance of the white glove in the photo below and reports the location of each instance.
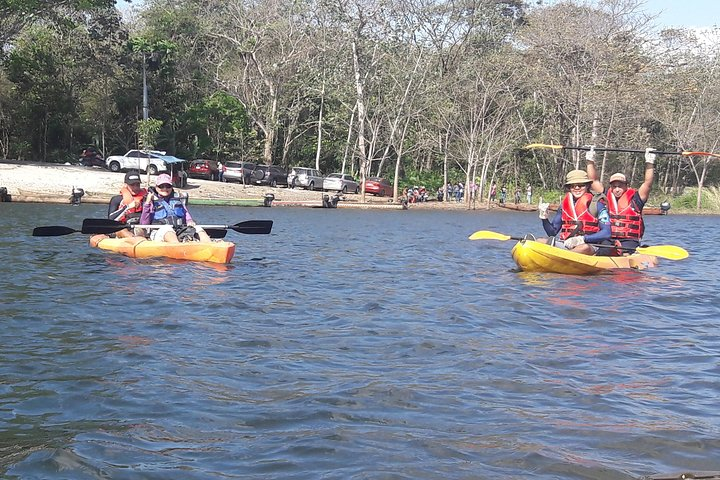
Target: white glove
(590, 154)
(543, 210)
(649, 156)
(573, 242)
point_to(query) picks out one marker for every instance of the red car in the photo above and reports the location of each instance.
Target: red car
(378, 186)
(207, 169)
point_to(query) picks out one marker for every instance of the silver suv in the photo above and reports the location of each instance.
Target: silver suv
(240, 172)
(308, 178)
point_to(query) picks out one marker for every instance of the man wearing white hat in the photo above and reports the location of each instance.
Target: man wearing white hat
(625, 204)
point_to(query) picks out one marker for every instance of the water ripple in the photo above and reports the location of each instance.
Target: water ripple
(352, 345)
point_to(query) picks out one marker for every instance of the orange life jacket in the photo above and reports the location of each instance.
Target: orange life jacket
(625, 216)
(127, 197)
(576, 216)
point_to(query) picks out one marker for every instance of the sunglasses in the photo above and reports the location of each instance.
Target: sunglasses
(164, 186)
(578, 185)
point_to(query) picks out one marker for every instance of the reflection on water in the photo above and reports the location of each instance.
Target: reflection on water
(352, 345)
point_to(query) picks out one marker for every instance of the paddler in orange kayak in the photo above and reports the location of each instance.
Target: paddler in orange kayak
(163, 207)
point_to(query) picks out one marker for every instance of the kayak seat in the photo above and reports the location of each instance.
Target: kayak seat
(114, 204)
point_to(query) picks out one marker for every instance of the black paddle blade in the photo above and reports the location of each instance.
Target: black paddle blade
(52, 231)
(253, 227)
(216, 232)
(95, 226)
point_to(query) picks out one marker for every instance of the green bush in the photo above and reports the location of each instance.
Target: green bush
(710, 199)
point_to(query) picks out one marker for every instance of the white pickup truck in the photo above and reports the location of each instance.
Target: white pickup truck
(148, 160)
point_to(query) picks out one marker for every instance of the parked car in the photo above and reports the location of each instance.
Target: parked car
(151, 161)
(240, 172)
(207, 169)
(378, 186)
(269, 175)
(340, 182)
(308, 178)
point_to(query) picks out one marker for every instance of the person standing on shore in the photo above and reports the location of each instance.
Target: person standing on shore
(528, 193)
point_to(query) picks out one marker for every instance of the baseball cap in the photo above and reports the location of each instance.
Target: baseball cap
(132, 177)
(163, 179)
(617, 177)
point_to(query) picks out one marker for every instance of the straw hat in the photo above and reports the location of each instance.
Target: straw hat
(577, 176)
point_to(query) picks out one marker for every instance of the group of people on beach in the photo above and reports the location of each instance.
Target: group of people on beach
(160, 213)
(593, 220)
(504, 192)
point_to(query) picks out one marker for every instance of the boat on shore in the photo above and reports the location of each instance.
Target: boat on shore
(139, 247)
(520, 207)
(532, 256)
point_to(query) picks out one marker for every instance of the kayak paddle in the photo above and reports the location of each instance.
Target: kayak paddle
(671, 252)
(94, 226)
(626, 150)
(249, 227)
(53, 231)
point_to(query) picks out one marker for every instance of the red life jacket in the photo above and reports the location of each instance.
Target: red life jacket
(576, 216)
(626, 220)
(128, 197)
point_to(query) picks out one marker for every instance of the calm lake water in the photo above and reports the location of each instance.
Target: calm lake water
(353, 345)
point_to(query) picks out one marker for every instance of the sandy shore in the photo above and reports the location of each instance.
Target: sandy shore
(54, 183)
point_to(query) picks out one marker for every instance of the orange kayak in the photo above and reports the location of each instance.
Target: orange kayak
(138, 247)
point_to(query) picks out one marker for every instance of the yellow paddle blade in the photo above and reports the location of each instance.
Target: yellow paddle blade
(544, 145)
(670, 252)
(488, 235)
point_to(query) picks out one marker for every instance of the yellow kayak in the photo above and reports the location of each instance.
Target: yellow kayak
(532, 256)
(138, 247)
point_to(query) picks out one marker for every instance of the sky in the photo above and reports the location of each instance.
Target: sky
(685, 13)
(672, 13)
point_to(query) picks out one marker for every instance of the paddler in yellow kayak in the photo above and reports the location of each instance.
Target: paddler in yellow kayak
(163, 207)
(625, 205)
(582, 219)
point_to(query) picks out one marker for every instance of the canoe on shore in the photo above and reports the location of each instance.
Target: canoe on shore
(531, 256)
(520, 207)
(138, 247)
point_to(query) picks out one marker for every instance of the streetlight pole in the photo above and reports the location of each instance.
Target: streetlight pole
(146, 108)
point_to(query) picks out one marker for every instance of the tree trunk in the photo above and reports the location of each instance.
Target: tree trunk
(319, 128)
(361, 121)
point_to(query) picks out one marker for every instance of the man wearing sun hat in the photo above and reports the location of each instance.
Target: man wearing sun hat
(625, 204)
(582, 223)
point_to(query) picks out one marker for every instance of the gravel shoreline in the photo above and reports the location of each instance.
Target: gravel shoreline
(45, 182)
